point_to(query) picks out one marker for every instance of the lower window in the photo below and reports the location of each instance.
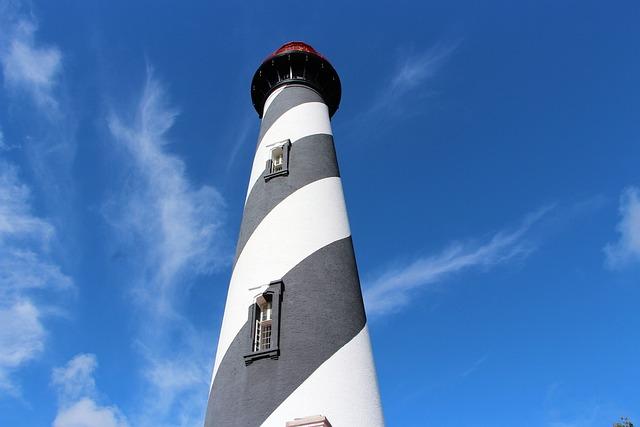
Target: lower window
(264, 318)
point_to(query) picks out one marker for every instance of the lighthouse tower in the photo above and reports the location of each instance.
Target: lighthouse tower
(294, 346)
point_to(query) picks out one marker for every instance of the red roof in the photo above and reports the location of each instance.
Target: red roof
(295, 46)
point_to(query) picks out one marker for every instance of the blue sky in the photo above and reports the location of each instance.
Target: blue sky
(489, 153)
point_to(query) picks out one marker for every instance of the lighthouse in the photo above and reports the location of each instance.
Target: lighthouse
(294, 347)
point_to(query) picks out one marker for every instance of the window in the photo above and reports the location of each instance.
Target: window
(278, 163)
(277, 156)
(264, 318)
(262, 333)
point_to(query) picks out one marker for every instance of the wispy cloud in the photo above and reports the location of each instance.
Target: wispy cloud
(394, 288)
(28, 67)
(4, 146)
(32, 72)
(26, 266)
(565, 407)
(398, 94)
(178, 224)
(77, 396)
(627, 249)
(30, 277)
(175, 228)
(21, 339)
(474, 367)
(239, 137)
(178, 381)
(411, 75)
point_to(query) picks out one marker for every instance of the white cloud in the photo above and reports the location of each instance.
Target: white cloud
(627, 248)
(415, 69)
(179, 225)
(411, 80)
(21, 339)
(394, 288)
(77, 396)
(179, 385)
(25, 266)
(75, 379)
(32, 76)
(16, 220)
(28, 67)
(175, 229)
(411, 75)
(28, 271)
(86, 413)
(25, 240)
(3, 144)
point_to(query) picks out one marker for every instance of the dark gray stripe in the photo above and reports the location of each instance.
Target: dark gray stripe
(310, 159)
(290, 97)
(322, 310)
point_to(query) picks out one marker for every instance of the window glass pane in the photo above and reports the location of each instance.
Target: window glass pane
(277, 159)
(265, 337)
(262, 337)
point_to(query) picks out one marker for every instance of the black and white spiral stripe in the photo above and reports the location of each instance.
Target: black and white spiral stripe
(295, 228)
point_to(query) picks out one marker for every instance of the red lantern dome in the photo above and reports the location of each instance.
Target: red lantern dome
(296, 63)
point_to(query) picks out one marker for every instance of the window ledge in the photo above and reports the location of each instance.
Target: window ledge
(251, 357)
(273, 175)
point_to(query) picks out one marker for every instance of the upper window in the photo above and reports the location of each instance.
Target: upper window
(262, 328)
(278, 163)
(264, 319)
(277, 159)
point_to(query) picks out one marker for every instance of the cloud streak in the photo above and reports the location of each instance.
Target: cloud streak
(175, 229)
(178, 224)
(408, 81)
(178, 381)
(474, 367)
(77, 396)
(26, 267)
(28, 67)
(412, 74)
(30, 278)
(33, 79)
(627, 249)
(394, 288)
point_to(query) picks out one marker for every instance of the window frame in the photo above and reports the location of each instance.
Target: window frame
(286, 148)
(274, 291)
(263, 322)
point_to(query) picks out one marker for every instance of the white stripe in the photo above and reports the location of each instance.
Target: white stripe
(307, 220)
(344, 389)
(270, 99)
(302, 120)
